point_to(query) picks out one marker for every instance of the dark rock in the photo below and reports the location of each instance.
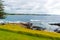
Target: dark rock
(2, 23)
(57, 30)
(38, 28)
(58, 24)
(28, 24)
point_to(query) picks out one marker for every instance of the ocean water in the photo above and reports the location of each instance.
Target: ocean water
(27, 18)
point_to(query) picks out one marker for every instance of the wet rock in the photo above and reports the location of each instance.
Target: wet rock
(38, 28)
(57, 30)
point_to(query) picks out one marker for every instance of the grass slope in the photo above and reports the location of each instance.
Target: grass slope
(4, 35)
(17, 32)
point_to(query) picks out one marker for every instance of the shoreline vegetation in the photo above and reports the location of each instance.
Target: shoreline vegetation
(19, 29)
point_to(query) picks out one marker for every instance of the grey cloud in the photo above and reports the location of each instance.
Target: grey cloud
(31, 6)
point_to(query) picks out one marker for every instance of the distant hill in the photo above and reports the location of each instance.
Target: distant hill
(31, 14)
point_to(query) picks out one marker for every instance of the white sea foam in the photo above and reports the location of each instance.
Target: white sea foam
(48, 27)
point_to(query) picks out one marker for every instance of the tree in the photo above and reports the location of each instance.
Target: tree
(2, 13)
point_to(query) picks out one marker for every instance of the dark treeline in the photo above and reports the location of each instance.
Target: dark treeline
(21, 14)
(2, 13)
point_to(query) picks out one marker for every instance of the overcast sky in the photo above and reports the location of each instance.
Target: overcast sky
(32, 6)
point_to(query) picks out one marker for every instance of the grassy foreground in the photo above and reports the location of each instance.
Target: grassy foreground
(18, 32)
(4, 35)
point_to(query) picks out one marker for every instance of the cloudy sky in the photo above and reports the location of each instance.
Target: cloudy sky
(32, 6)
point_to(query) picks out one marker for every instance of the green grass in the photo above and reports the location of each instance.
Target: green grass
(5, 35)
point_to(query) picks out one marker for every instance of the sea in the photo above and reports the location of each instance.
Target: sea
(27, 18)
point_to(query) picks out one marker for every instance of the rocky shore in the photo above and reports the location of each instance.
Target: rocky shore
(36, 25)
(31, 26)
